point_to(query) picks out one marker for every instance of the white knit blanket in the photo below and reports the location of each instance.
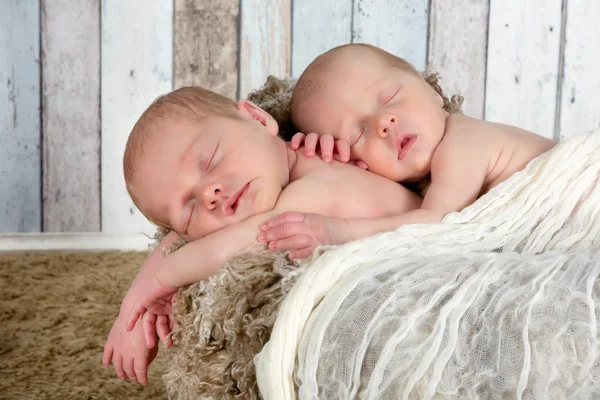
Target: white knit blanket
(499, 301)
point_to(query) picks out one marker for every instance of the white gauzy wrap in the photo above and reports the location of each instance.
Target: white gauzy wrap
(499, 301)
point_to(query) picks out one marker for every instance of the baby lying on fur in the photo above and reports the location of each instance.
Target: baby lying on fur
(212, 170)
(395, 124)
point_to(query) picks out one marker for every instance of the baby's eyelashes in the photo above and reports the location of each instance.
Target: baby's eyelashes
(387, 96)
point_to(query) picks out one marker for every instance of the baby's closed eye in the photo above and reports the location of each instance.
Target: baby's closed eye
(387, 95)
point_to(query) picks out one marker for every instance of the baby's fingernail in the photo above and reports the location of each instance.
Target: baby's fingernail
(272, 245)
(261, 237)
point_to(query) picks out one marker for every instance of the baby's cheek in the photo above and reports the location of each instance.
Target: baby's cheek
(265, 200)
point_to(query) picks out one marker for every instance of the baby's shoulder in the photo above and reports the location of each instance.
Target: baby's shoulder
(306, 190)
(461, 129)
(468, 139)
(306, 194)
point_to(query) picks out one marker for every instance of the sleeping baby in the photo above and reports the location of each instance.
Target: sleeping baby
(395, 125)
(213, 170)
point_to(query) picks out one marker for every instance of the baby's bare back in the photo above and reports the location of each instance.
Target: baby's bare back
(502, 149)
(345, 191)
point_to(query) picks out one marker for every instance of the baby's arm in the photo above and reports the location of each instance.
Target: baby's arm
(457, 180)
(194, 262)
(182, 267)
(129, 352)
(200, 259)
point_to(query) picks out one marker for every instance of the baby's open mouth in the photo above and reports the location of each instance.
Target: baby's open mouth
(403, 144)
(231, 205)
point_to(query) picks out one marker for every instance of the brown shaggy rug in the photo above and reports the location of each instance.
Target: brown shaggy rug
(56, 310)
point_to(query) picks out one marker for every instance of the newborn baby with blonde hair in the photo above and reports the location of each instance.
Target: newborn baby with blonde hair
(212, 170)
(365, 101)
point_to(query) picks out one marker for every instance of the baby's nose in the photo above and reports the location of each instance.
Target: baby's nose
(211, 195)
(385, 125)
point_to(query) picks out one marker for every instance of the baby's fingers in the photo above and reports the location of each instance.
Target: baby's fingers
(282, 231)
(107, 355)
(118, 365)
(150, 320)
(128, 367)
(134, 315)
(297, 140)
(288, 216)
(342, 151)
(300, 254)
(163, 330)
(140, 366)
(310, 144)
(296, 242)
(359, 163)
(326, 144)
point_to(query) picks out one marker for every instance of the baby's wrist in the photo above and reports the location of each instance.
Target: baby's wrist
(128, 302)
(344, 229)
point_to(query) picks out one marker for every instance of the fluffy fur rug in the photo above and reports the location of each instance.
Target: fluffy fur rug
(56, 310)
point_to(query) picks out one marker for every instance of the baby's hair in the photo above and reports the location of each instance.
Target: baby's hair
(187, 102)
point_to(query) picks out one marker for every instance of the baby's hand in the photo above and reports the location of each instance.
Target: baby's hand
(329, 147)
(128, 352)
(156, 302)
(301, 232)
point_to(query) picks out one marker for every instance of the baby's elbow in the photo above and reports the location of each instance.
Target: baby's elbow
(436, 215)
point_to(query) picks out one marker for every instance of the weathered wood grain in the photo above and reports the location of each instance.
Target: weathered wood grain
(579, 100)
(206, 45)
(20, 186)
(265, 44)
(397, 26)
(136, 67)
(458, 49)
(522, 63)
(71, 115)
(318, 26)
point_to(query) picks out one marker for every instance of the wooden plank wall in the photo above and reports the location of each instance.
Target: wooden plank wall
(74, 77)
(20, 196)
(70, 57)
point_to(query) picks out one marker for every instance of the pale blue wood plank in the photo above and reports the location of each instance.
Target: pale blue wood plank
(20, 198)
(317, 27)
(397, 26)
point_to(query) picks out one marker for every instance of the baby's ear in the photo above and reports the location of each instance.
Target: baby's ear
(258, 114)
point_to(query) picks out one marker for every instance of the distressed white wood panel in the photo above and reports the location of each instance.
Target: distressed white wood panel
(396, 26)
(522, 64)
(71, 115)
(318, 26)
(136, 67)
(20, 186)
(265, 45)
(580, 99)
(206, 45)
(458, 49)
